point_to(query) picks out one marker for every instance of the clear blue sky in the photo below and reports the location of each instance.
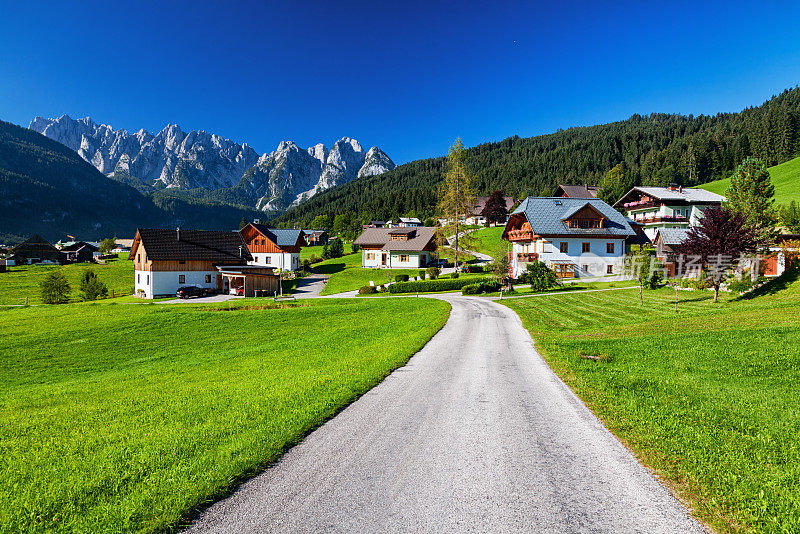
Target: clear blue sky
(406, 78)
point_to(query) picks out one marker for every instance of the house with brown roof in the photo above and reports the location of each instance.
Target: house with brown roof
(475, 215)
(576, 191)
(397, 248)
(35, 249)
(218, 261)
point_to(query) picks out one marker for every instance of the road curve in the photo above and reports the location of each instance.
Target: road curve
(474, 434)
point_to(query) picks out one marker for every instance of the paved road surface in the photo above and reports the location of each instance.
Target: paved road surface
(475, 434)
(310, 286)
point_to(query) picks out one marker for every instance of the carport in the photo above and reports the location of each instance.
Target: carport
(251, 278)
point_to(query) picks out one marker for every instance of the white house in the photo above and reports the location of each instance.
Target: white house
(409, 222)
(667, 207)
(576, 237)
(273, 247)
(397, 248)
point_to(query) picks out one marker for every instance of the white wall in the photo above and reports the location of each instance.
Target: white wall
(158, 283)
(596, 260)
(375, 261)
(415, 259)
(288, 261)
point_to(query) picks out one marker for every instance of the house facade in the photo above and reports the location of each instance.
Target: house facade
(273, 247)
(315, 237)
(79, 251)
(475, 215)
(35, 249)
(166, 259)
(667, 207)
(397, 248)
(576, 237)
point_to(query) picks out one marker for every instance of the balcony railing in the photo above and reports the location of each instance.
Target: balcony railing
(663, 219)
(520, 235)
(527, 257)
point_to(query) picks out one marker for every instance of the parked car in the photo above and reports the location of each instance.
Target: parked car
(439, 263)
(240, 291)
(186, 292)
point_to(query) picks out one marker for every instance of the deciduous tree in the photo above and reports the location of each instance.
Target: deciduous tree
(495, 209)
(456, 194)
(91, 287)
(55, 288)
(107, 245)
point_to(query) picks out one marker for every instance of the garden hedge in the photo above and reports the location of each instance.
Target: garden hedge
(442, 284)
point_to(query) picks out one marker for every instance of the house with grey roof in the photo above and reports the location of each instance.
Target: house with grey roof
(576, 191)
(576, 237)
(667, 207)
(397, 248)
(273, 247)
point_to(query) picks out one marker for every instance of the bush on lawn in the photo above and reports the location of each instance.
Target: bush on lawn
(486, 286)
(422, 274)
(454, 275)
(433, 272)
(55, 288)
(401, 278)
(367, 290)
(539, 276)
(444, 284)
(471, 289)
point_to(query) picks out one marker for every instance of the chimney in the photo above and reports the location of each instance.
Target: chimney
(178, 233)
(680, 189)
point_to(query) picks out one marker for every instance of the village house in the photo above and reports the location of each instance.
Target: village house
(667, 207)
(315, 237)
(576, 237)
(475, 216)
(273, 247)
(409, 222)
(397, 248)
(79, 251)
(218, 261)
(35, 249)
(576, 191)
(665, 242)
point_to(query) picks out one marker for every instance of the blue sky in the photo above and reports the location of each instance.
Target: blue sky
(406, 77)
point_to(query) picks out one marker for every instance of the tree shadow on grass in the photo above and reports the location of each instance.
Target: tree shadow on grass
(789, 277)
(330, 268)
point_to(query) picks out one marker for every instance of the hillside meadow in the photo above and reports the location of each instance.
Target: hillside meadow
(22, 281)
(785, 177)
(127, 417)
(707, 396)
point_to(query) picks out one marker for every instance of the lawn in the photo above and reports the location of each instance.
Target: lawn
(785, 177)
(346, 274)
(98, 438)
(707, 397)
(486, 241)
(447, 253)
(316, 250)
(570, 286)
(23, 280)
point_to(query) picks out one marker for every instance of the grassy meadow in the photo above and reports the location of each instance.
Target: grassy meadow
(487, 241)
(785, 177)
(708, 396)
(316, 250)
(23, 280)
(126, 417)
(346, 274)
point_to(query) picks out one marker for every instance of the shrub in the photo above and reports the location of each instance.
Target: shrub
(91, 287)
(445, 284)
(454, 275)
(55, 288)
(367, 290)
(471, 289)
(539, 276)
(433, 272)
(422, 274)
(490, 286)
(401, 278)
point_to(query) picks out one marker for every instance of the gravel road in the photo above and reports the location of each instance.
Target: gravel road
(475, 434)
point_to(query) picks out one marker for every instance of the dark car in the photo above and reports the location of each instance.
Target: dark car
(439, 263)
(186, 292)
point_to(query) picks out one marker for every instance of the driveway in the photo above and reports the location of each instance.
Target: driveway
(474, 434)
(310, 286)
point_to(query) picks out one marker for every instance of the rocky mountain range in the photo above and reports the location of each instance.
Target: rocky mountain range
(198, 161)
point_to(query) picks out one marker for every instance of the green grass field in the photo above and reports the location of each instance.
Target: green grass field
(316, 250)
(785, 177)
(707, 397)
(346, 274)
(487, 241)
(447, 253)
(23, 280)
(126, 417)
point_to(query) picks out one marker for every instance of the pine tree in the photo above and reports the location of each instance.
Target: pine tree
(751, 193)
(456, 194)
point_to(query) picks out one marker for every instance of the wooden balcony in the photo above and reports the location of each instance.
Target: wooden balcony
(527, 257)
(675, 219)
(520, 235)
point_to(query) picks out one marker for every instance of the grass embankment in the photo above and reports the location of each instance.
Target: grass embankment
(785, 177)
(447, 253)
(486, 241)
(23, 280)
(95, 438)
(346, 274)
(708, 397)
(571, 286)
(316, 250)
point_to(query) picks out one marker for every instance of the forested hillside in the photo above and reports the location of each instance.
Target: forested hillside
(656, 149)
(47, 188)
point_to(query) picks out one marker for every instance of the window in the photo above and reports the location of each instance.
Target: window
(609, 269)
(584, 247)
(181, 278)
(370, 255)
(255, 259)
(148, 279)
(564, 247)
(609, 248)
(138, 278)
(403, 258)
(263, 242)
(138, 258)
(208, 279)
(181, 263)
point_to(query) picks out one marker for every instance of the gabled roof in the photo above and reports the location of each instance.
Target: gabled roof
(547, 215)
(202, 245)
(576, 191)
(283, 237)
(421, 237)
(78, 245)
(578, 207)
(690, 195)
(672, 236)
(410, 220)
(480, 203)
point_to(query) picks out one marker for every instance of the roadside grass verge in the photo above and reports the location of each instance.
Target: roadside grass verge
(706, 397)
(22, 281)
(118, 417)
